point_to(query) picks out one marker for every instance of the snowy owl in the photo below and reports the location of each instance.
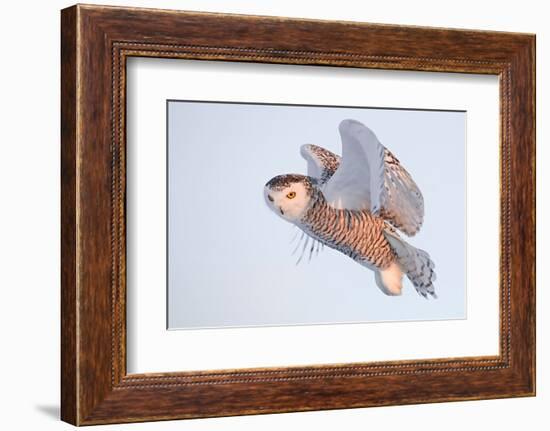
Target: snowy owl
(355, 204)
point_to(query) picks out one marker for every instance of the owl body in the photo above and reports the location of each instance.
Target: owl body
(355, 233)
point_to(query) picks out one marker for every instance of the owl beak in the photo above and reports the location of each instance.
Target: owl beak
(281, 211)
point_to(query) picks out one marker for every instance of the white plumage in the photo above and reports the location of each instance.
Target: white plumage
(370, 177)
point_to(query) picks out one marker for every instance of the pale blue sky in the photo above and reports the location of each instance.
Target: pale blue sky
(230, 261)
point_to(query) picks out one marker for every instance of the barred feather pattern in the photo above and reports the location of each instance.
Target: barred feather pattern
(367, 239)
(357, 234)
(326, 161)
(416, 263)
(402, 203)
(396, 198)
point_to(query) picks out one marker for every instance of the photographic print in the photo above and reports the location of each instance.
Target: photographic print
(281, 220)
(299, 215)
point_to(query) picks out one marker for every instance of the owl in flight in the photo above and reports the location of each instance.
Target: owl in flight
(355, 204)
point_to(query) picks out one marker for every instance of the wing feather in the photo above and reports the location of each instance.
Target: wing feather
(370, 177)
(358, 181)
(403, 203)
(321, 163)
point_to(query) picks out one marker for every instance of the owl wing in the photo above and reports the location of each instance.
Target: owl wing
(370, 177)
(321, 163)
(402, 200)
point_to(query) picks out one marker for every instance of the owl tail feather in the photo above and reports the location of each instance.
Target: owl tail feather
(414, 262)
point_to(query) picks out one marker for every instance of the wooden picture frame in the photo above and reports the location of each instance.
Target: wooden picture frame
(95, 43)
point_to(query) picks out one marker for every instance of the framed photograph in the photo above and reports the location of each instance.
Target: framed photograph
(264, 214)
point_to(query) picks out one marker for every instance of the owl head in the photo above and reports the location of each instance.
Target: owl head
(289, 196)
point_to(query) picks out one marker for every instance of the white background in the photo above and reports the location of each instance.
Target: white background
(29, 220)
(152, 349)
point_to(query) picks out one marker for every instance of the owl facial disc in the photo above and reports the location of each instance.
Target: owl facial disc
(288, 196)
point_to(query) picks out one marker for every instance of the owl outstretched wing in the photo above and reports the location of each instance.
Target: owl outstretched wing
(321, 163)
(370, 177)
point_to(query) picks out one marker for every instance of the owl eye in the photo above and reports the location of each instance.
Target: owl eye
(291, 195)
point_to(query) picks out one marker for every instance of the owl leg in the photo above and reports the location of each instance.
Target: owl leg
(390, 280)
